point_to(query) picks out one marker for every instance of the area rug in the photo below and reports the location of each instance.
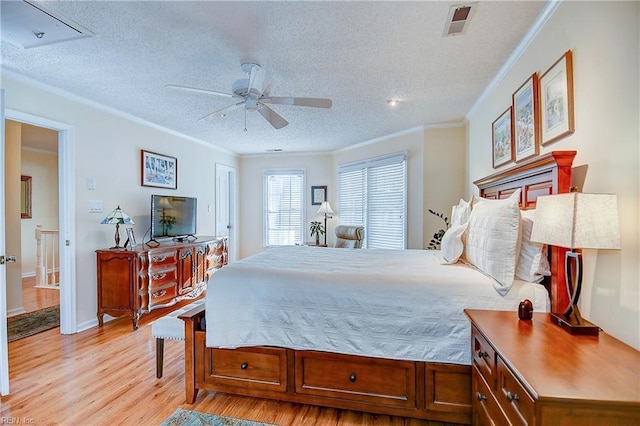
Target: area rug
(183, 417)
(30, 323)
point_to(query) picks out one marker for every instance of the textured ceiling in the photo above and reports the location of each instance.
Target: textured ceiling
(359, 54)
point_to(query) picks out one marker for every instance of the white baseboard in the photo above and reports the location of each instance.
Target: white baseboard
(15, 311)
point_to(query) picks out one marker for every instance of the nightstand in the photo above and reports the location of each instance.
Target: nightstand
(534, 373)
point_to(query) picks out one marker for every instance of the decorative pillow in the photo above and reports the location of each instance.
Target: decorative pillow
(460, 213)
(493, 238)
(533, 264)
(451, 245)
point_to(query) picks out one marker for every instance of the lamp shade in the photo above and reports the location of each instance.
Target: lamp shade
(577, 220)
(325, 208)
(118, 216)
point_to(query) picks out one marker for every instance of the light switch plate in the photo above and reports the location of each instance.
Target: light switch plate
(95, 206)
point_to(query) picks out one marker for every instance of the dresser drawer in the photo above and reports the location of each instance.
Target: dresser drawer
(162, 295)
(262, 368)
(162, 258)
(161, 277)
(486, 410)
(484, 357)
(513, 398)
(355, 378)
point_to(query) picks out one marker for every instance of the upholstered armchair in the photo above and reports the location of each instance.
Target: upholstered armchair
(349, 236)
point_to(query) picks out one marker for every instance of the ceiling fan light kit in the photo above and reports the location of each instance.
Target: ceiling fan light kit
(251, 94)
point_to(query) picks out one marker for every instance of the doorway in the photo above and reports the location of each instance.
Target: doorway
(225, 206)
(66, 212)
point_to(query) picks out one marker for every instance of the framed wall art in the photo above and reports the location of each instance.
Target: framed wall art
(318, 195)
(526, 113)
(131, 238)
(556, 100)
(160, 171)
(502, 140)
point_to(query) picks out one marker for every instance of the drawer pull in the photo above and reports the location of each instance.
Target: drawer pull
(482, 354)
(158, 258)
(244, 366)
(481, 397)
(512, 397)
(159, 293)
(158, 276)
(352, 378)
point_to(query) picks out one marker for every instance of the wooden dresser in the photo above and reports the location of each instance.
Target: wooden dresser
(133, 282)
(534, 373)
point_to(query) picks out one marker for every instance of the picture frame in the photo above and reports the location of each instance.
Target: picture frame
(526, 119)
(502, 139)
(318, 195)
(131, 238)
(158, 170)
(556, 100)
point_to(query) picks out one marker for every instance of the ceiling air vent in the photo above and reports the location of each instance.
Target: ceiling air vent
(458, 19)
(29, 24)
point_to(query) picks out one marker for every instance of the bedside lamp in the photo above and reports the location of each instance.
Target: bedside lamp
(118, 216)
(325, 208)
(576, 221)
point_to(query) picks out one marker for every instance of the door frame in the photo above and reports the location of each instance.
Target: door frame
(66, 213)
(228, 203)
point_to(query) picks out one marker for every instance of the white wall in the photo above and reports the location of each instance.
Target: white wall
(107, 149)
(444, 175)
(604, 39)
(43, 168)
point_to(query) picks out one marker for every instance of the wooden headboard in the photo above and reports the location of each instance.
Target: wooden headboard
(543, 175)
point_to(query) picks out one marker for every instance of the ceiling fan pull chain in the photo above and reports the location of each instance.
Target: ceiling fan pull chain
(245, 120)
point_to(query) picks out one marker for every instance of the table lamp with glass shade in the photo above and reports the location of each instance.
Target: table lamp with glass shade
(325, 208)
(119, 217)
(576, 221)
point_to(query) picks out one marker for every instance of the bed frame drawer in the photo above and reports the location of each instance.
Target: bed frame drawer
(354, 378)
(258, 368)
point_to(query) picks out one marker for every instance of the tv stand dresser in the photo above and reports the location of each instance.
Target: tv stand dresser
(134, 282)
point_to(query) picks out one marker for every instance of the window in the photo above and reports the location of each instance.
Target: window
(283, 207)
(372, 193)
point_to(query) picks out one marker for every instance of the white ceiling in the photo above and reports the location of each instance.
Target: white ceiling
(359, 54)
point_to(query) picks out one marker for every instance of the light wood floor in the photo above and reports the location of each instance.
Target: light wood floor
(106, 376)
(37, 298)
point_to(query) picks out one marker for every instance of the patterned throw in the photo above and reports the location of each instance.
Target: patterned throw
(193, 418)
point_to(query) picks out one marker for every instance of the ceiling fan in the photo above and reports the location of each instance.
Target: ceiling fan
(251, 93)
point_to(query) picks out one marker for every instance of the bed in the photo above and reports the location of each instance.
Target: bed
(291, 323)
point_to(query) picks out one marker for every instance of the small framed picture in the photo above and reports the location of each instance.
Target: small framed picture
(556, 100)
(131, 238)
(502, 140)
(526, 113)
(160, 171)
(318, 195)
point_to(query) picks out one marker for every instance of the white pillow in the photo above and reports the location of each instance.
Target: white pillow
(451, 245)
(493, 238)
(460, 213)
(533, 264)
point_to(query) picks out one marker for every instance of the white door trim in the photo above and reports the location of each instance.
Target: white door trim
(4, 345)
(67, 217)
(226, 203)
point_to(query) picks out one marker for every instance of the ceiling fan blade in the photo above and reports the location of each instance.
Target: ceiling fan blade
(259, 80)
(272, 117)
(223, 111)
(309, 102)
(196, 90)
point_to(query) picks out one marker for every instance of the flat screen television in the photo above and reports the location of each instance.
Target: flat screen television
(173, 216)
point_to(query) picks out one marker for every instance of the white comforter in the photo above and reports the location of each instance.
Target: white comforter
(398, 304)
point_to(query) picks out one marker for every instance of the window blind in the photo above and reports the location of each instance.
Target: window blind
(284, 201)
(372, 193)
